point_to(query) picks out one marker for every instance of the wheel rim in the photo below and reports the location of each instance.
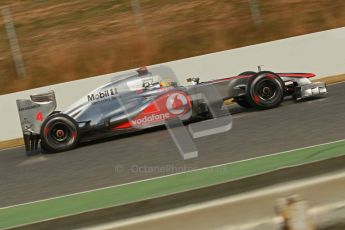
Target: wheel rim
(60, 134)
(266, 90)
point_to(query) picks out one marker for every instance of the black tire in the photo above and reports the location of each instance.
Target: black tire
(265, 90)
(59, 132)
(242, 101)
(247, 73)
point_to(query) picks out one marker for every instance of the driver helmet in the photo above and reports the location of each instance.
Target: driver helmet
(167, 83)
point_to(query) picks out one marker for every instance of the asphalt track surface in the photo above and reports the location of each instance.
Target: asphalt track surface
(151, 154)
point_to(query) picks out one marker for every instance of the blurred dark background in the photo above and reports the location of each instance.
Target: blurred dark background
(63, 40)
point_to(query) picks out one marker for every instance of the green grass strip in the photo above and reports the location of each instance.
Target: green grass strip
(73, 204)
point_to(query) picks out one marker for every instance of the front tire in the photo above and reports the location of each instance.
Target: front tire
(265, 90)
(59, 132)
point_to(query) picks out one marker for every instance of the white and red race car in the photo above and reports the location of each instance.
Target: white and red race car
(146, 99)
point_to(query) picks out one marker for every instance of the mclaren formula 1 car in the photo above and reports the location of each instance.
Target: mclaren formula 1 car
(145, 99)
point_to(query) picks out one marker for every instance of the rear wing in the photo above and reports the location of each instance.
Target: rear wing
(32, 113)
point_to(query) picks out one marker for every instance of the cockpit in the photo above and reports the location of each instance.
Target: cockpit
(145, 80)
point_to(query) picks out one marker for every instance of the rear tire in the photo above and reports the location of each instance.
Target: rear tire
(265, 90)
(59, 132)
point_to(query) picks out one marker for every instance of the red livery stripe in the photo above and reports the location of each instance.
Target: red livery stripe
(301, 75)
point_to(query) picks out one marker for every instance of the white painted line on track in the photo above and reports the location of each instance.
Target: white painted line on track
(154, 178)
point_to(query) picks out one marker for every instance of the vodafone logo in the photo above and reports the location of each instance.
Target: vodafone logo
(167, 106)
(150, 119)
(177, 103)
